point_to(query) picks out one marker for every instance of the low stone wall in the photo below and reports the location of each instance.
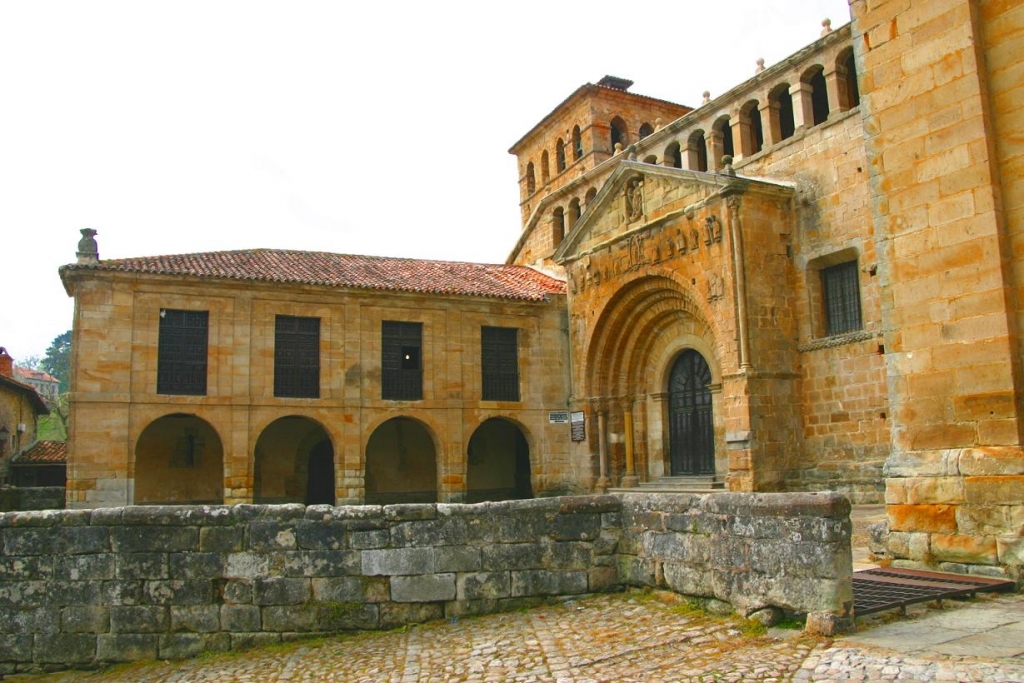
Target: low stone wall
(81, 587)
(31, 498)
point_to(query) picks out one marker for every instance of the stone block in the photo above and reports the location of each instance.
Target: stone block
(121, 592)
(272, 535)
(181, 645)
(997, 490)
(457, 558)
(684, 579)
(85, 619)
(576, 527)
(300, 618)
(507, 556)
(247, 565)
(320, 535)
(139, 619)
(244, 641)
(125, 647)
(566, 555)
(637, 571)
(525, 528)
(397, 561)
(966, 549)
(150, 539)
(281, 591)
(393, 614)
(369, 540)
(23, 594)
(484, 586)
(429, 533)
(985, 462)
(470, 608)
(932, 463)
(81, 567)
(226, 539)
(983, 520)
(428, 588)
(240, 618)
(85, 539)
(319, 563)
(409, 512)
(347, 616)
(589, 504)
(922, 518)
(542, 582)
(15, 647)
(199, 565)
(237, 592)
(31, 541)
(29, 620)
(132, 566)
(38, 567)
(176, 592)
(932, 490)
(827, 624)
(195, 618)
(65, 649)
(601, 579)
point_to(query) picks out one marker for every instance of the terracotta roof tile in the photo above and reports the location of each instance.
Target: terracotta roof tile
(345, 270)
(29, 373)
(44, 452)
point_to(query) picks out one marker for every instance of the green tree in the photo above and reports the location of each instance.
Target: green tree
(57, 360)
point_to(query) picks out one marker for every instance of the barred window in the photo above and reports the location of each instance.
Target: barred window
(181, 353)
(841, 289)
(297, 357)
(499, 363)
(401, 368)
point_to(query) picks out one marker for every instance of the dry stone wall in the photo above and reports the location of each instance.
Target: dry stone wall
(81, 587)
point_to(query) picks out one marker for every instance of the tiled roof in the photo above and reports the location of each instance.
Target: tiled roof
(38, 375)
(33, 396)
(345, 270)
(44, 453)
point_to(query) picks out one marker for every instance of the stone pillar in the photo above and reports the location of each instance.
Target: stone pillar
(716, 148)
(803, 105)
(742, 136)
(771, 123)
(602, 449)
(657, 418)
(838, 93)
(629, 479)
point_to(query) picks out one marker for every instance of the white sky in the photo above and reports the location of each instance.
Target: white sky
(367, 128)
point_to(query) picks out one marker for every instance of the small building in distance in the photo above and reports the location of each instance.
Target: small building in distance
(45, 384)
(20, 408)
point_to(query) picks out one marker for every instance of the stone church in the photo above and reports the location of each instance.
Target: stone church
(810, 282)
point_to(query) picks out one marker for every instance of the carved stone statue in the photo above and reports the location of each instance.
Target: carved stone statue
(635, 199)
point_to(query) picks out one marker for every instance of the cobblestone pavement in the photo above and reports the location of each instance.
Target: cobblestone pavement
(626, 637)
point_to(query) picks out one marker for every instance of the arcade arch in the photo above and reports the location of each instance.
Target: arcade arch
(179, 459)
(401, 463)
(294, 463)
(498, 462)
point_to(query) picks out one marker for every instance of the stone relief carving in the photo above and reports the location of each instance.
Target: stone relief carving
(694, 239)
(635, 199)
(636, 251)
(716, 287)
(712, 230)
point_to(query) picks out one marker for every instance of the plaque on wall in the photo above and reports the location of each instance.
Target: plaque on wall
(558, 417)
(578, 426)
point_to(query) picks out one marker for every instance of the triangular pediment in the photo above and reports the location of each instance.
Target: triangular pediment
(638, 195)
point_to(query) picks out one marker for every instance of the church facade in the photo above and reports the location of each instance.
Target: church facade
(810, 282)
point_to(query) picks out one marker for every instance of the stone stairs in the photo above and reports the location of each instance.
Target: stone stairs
(677, 484)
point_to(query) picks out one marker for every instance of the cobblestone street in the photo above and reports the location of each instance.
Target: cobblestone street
(624, 637)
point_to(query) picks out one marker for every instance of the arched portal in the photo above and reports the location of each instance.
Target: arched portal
(294, 463)
(401, 464)
(179, 459)
(691, 423)
(498, 463)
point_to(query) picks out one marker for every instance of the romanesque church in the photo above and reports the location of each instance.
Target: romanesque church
(810, 282)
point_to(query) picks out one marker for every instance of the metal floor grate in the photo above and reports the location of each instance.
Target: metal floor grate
(876, 590)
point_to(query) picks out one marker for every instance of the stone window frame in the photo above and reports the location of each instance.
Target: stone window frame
(836, 266)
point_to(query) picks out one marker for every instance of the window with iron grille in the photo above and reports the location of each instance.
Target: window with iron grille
(297, 357)
(841, 293)
(181, 353)
(499, 363)
(401, 355)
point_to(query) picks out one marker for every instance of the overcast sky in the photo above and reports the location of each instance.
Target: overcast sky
(368, 128)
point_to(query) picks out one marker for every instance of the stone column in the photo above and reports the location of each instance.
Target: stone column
(716, 148)
(838, 93)
(771, 123)
(629, 479)
(657, 418)
(803, 106)
(602, 449)
(742, 137)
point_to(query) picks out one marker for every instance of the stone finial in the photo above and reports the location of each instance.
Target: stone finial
(618, 147)
(760, 65)
(707, 97)
(727, 168)
(826, 27)
(657, 123)
(631, 153)
(88, 250)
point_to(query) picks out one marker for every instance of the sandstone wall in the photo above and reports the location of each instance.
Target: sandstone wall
(80, 587)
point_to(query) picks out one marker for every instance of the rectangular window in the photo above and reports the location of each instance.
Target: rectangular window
(841, 292)
(297, 357)
(181, 354)
(499, 363)
(401, 355)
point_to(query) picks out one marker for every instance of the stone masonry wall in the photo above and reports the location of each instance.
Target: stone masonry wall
(81, 587)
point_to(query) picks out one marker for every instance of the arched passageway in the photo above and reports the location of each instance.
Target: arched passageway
(498, 463)
(691, 419)
(294, 463)
(401, 464)
(179, 459)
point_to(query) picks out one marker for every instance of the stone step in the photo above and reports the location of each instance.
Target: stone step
(676, 484)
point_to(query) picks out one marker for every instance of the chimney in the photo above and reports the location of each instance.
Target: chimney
(88, 251)
(615, 82)
(6, 363)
